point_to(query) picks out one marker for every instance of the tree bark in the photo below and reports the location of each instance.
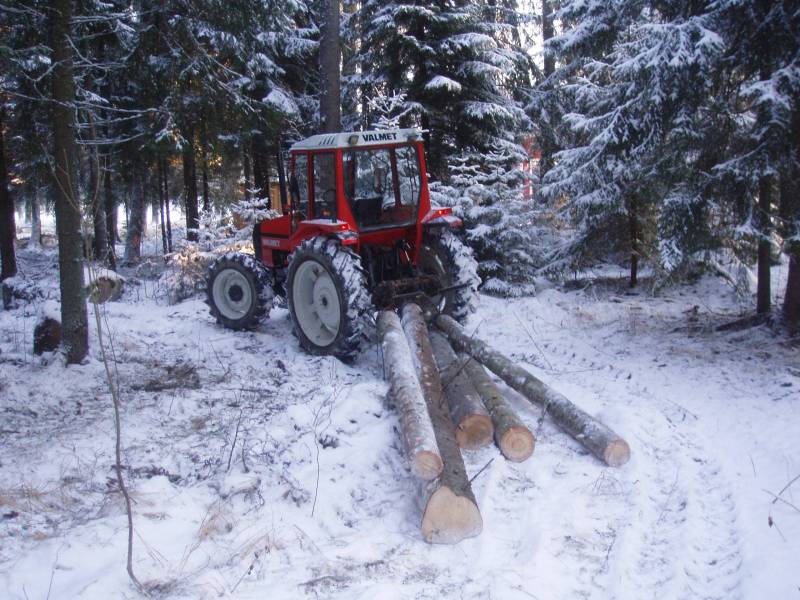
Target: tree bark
(790, 215)
(547, 34)
(634, 230)
(473, 425)
(138, 207)
(512, 436)
(110, 209)
(260, 156)
(450, 511)
(190, 189)
(35, 241)
(161, 187)
(330, 56)
(418, 434)
(764, 287)
(68, 210)
(247, 169)
(8, 227)
(595, 437)
(166, 204)
(204, 165)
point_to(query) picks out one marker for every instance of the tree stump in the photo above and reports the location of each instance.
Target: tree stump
(46, 336)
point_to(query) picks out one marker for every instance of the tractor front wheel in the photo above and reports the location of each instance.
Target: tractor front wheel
(239, 290)
(451, 262)
(328, 298)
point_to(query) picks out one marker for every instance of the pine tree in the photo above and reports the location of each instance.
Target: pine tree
(637, 80)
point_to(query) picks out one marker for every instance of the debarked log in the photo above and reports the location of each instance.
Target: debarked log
(449, 510)
(473, 424)
(415, 422)
(512, 436)
(595, 437)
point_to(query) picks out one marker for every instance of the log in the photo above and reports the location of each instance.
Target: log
(473, 424)
(449, 510)
(511, 435)
(595, 437)
(418, 434)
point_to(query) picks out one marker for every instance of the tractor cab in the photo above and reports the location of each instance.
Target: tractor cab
(357, 232)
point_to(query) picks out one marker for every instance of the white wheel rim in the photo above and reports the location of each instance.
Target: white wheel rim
(316, 303)
(232, 294)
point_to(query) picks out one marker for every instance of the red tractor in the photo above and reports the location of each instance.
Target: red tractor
(357, 232)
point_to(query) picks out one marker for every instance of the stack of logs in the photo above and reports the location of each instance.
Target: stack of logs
(448, 402)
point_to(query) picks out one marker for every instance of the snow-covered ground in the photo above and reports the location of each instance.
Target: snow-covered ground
(258, 471)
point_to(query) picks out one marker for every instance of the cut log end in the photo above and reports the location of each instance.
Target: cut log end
(474, 431)
(427, 465)
(450, 518)
(517, 444)
(617, 453)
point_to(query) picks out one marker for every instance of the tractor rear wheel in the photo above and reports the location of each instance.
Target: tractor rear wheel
(452, 263)
(328, 298)
(239, 290)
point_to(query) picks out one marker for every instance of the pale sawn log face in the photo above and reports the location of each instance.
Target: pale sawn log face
(418, 435)
(594, 436)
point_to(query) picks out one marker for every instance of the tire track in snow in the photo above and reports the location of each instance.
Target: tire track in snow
(677, 535)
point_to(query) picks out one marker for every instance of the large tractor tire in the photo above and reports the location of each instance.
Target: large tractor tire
(239, 290)
(446, 257)
(328, 298)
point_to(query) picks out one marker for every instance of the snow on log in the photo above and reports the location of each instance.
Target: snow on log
(514, 439)
(473, 424)
(449, 510)
(595, 437)
(418, 434)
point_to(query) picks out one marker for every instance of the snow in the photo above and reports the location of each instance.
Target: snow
(259, 470)
(440, 82)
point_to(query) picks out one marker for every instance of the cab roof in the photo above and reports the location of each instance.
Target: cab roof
(357, 139)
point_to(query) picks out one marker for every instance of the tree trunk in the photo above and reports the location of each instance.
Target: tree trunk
(260, 154)
(330, 55)
(634, 230)
(764, 288)
(547, 34)
(790, 214)
(8, 227)
(513, 438)
(161, 187)
(450, 511)
(100, 249)
(418, 434)
(595, 437)
(133, 240)
(473, 425)
(110, 209)
(68, 211)
(247, 170)
(166, 204)
(204, 166)
(35, 240)
(190, 190)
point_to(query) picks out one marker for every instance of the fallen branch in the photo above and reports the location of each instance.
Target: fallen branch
(450, 512)
(595, 437)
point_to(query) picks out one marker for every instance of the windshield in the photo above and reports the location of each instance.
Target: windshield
(383, 186)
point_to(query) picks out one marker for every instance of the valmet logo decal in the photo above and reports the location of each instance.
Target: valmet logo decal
(379, 137)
